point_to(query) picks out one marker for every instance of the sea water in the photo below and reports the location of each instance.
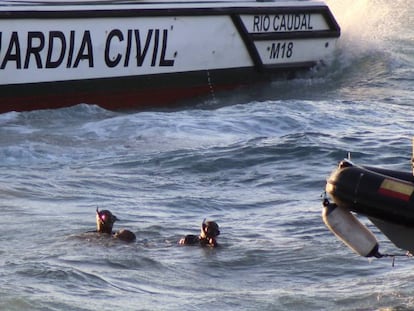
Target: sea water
(254, 160)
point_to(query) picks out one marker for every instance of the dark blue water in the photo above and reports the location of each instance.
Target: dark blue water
(255, 160)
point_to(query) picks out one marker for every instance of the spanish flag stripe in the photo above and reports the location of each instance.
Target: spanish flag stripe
(393, 194)
(396, 189)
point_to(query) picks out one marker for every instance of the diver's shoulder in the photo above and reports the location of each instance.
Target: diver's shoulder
(125, 235)
(190, 239)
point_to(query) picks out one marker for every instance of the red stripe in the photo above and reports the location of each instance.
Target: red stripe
(109, 100)
(136, 92)
(393, 194)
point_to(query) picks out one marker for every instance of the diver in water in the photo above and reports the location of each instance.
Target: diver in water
(208, 235)
(104, 223)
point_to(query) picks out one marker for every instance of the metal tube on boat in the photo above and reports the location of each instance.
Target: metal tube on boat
(412, 158)
(350, 230)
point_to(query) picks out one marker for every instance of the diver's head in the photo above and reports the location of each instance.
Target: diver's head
(210, 231)
(105, 221)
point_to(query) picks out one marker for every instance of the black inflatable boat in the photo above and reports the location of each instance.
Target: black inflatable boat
(384, 196)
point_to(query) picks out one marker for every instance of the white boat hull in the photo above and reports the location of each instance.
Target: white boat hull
(71, 50)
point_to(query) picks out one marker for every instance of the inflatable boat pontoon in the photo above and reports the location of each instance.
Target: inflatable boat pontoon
(384, 196)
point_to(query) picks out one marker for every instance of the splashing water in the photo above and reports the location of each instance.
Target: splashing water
(371, 24)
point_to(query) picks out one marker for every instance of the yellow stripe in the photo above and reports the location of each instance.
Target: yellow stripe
(396, 186)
